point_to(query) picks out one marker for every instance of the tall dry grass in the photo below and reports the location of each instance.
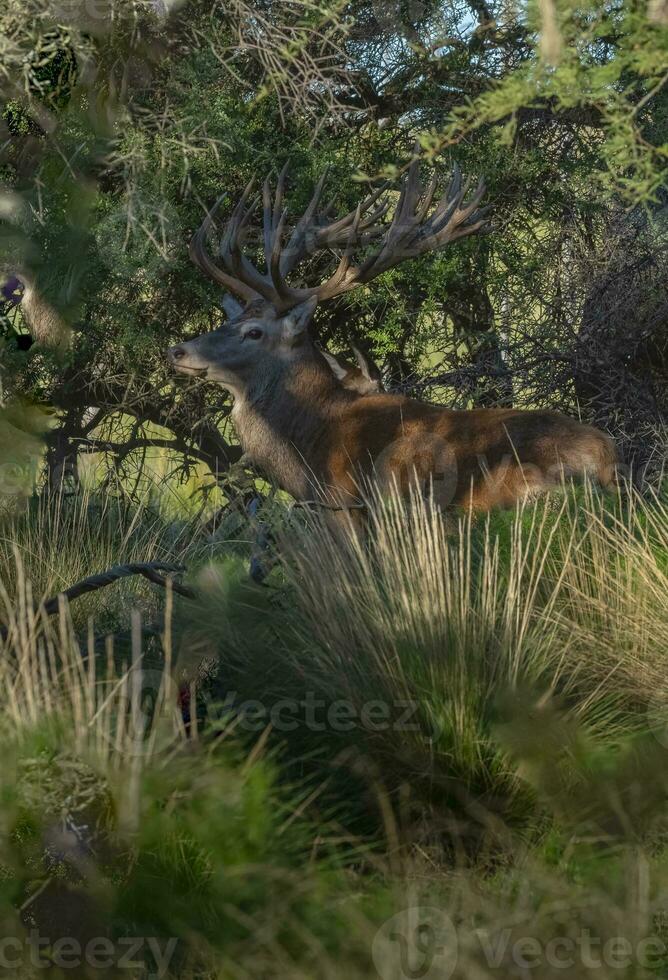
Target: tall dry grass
(568, 588)
(558, 609)
(79, 697)
(59, 539)
(530, 646)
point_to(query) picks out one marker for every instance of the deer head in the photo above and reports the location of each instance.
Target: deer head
(269, 331)
(248, 348)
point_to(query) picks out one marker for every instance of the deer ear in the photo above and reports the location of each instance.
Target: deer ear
(366, 366)
(231, 306)
(336, 367)
(296, 322)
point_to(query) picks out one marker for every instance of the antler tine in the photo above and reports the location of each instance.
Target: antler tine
(453, 194)
(248, 214)
(271, 216)
(373, 196)
(267, 220)
(368, 225)
(427, 199)
(200, 256)
(378, 213)
(333, 285)
(456, 182)
(196, 248)
(328, 208)
(473, 204)
(449, 204)
(399, 210)
(329, 234)
(280, 191)
(229, 242)
(479, 192)
(455, 215)
(230, 249)
(442, 218)
(232, 227)
(402, 226)
(274, 261)
(232, 254)
(411, 189)
(469, 230)
(407, 214)
(366, 203)
(466, 227)
(294, 250)
(373, 262)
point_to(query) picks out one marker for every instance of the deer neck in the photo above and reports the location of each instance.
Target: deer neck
(283, 421)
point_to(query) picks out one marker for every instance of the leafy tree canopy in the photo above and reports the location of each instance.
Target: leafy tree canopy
(122, 120)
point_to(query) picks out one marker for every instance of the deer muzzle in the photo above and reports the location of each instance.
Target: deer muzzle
(180, 359)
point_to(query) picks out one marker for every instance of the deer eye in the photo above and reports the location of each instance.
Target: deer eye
(253, 334)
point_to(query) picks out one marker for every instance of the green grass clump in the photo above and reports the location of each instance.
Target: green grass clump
(468, 716)
(432, 641)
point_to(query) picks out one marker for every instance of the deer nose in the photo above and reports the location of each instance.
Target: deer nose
(176, 353)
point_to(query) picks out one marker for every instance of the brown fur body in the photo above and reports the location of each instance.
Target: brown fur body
(313, 436)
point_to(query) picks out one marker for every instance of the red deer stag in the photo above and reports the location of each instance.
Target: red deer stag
(314, 437)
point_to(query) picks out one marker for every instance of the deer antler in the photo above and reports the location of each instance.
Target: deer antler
(412, 231)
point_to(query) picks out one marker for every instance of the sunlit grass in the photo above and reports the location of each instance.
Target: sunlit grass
(60, 539)
(154, 473)
(557, 610)
(526, 798)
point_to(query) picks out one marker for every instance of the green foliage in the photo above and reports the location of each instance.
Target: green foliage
(216, 861)
(525, 652)
(608, 63)
(121, 128)
(274, 848)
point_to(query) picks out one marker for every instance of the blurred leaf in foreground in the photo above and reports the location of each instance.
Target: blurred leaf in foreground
(22, 429)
